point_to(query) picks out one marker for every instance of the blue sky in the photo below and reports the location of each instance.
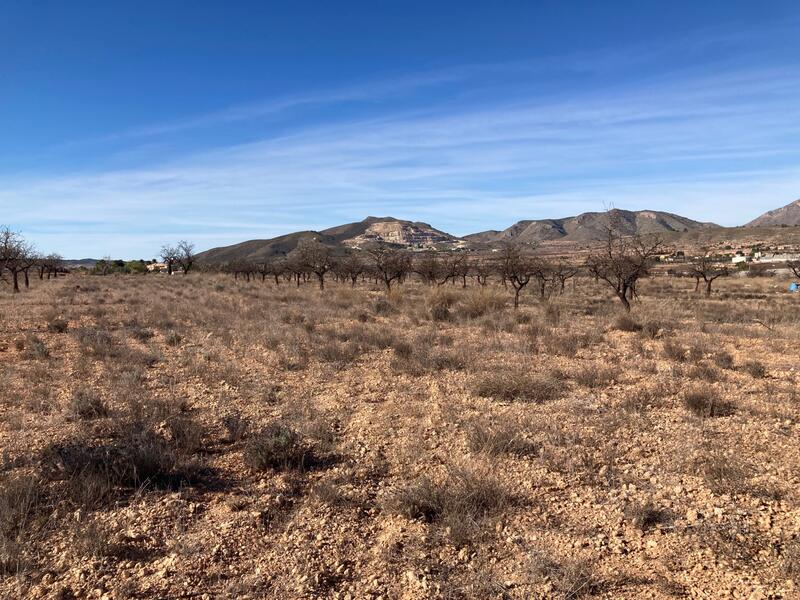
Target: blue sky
(127, 125)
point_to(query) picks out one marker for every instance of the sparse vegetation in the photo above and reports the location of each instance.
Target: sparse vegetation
(520, 386)
(375, 432)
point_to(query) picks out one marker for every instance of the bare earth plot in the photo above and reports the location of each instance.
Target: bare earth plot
(196, 437)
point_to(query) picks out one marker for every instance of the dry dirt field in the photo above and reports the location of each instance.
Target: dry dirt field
(200, 437)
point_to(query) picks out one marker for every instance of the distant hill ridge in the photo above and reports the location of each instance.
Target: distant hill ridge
(788, 215)
(586, 227)
(591, 226)
(372, 229)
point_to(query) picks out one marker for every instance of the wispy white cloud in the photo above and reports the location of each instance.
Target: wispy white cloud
(718, 145)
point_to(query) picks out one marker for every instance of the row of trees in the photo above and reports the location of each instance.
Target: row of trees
(620, 262)
(19, 258)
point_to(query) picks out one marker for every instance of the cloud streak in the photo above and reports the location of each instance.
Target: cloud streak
(716, 145)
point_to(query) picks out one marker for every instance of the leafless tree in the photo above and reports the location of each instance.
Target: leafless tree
(429, 267)
(563, 271)
(14, 254)
(708, 270)
(50, 265)
(296, 267)
(350, 267)
(544, 275)
(794, 266)
(29, 260)
(313, 256)
(462, 267)
(482, 270)
(622, 261)
(169, 255)
(277, 268)
(517, 268)
(391, 265)
(184, 255)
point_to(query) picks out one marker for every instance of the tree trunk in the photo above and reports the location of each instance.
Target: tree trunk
(623, 297)
(516, 297)
(321, 281)
(14, 275)
(708, 287)
(27, 281)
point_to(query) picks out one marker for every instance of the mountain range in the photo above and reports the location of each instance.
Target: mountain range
(584, 228)
(785, 216)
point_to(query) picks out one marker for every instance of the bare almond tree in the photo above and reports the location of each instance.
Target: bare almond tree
(185, 256)
(391, 265)
(708, 270)
(516, 267)
(621, 261)
(169, 255)
(315, 257)
(429, 267)
(563, 271)
(350, 267)
(482, 270)
(14, 255)
(794, 266)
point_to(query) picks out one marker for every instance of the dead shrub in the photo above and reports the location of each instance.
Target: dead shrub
(96, 342)
(458, 502)
(57, 325)
(93, 471)
(383, 307)
(646, 515)
(552, 314)
(23, 513)
(724, 360)
(651, 329)
(35, 348)
(545, 341)
(705, 403)
(419, 358)
(704, 372)
(596, 376)
(725, 473)
(439, 303)
(755, 369)
(338, 354)
(569, 579)
(439, 312)
(643, 399)
(627, 323)
(172, 338)
(185, 433)
(674, 351)
(22, 502)
(141, 334)
(479, 303)
(790, 562)
(495, 438)
(236, 426)
(293, 356)
(86, 405)
(518, 385)
(277, 447)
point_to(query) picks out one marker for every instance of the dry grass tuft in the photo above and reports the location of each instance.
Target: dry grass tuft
(519, 386)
